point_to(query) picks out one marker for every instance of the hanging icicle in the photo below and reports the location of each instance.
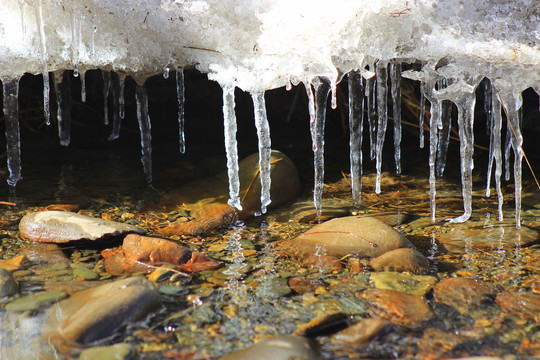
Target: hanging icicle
(507, 149)
(372, 117)
(76, 24)
(444, 136)
(422, 115)
(44, 61)
(265, 147)
(495, 150)
(181, 99)
(488, 105)
(13, 139)
(317, 114)
(356, 114)
(231, 147)
(395, 78)
(121, 99)
(62, 88)
(145, 128)
(117, 122)
(382, 108)
(82, 74)
(106, 86)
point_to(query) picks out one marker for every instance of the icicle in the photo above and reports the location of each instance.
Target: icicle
(356, 113)
(495, 151)
(62, 87)
(23, 23)
(507, 148)
(115, 133)
(288, 87)
(444, 136)
(180, 97)
(13, 139)
(317, 114)
(395, 78)
(121, 99)
(231, 147)
(466, 145)
(146, 131)
(76, 24)
(372, 120)
(265, 148)
(422, 115)
(166, 72)
(106, 85)
(83, 85)
(488, 105)
(382, 78)
(44, 61)
(333, 97)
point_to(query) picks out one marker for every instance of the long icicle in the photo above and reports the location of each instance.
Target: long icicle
(181, 99)
(421, 117)
(356, 113)
(145, 128)
(13, 138)
(231, 147)
(434, 120)
(382, 78)
(444, 136)
(372, 118)
(62, 87)
(317, 112)
(44, 62)
(395, 78)
(265, 148)
(495, 150)
(117, 121)
(82, 74)
(106, 86)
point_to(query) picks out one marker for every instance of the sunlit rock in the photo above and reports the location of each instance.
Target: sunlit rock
(404, 259)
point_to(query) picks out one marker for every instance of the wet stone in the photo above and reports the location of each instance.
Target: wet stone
(407, 283)
(278, 348)
(44, 254)
(62, 227)
(435, 344)
(273, 288)
(84, 274)
(323, 263)
(463, 294)
(351, 235)
(35, 301)
(8, 286)
(361, 332)
(524, 305)
(398, 307)
(302, 285)
(401, 260)
(113, 352)
(94, 314)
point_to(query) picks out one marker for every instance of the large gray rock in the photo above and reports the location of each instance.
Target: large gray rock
(362, 236)
(97, 313)
(63, 226)
(279, 348)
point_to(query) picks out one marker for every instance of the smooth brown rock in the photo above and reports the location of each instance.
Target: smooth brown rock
(45, 253)
(524, 305)
(399, 260)
(143, 253)
(323, 263)
(463, 294)
(361, 332)
(94, 314)
(206, 199)
(278, 348)
(302, 285)
(62, 227)
(398, 307)
(362, 236)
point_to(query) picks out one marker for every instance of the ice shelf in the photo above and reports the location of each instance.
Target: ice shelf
(257, 45)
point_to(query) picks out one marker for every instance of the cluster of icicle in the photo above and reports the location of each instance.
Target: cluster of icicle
(369, 84)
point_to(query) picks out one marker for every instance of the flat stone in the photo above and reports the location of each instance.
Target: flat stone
(361, 332)
(8, 286)
(524, 305)
(279, 348)
(91, 315)
(273, 288)
(400, 260)
(398, 307)
(35, 301)
(62, 227)
(407, 283)
(474, 234)
(44, 254)
(463, 294)
(113, 352)
(354, 235)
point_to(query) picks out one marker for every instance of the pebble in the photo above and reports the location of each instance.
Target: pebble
(82, 273)
(401, 260)
(8, 286)
(355, 235)
(62, 227)
(273, 288)
(398, 307)
(361, 332)
(524, 305)
(463, 294)
(35, 301)
(279, 348)
(113, 352)
(97, 313)
(407, 283)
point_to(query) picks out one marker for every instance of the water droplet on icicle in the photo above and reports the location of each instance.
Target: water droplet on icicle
(356, 114)
(76, 24)
(265, 148)
(13, 139)
(145, 128)
(231, 147)
(181, 99)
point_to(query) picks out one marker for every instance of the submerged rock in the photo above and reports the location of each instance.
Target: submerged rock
(143, 253)
(407, 283)
(399, 260)
(206, 199)
(97, 313)
(35, 301)
(361, 332)
(62, 227)
(461, 293)
(45, 254)
(524, 305)
(398, 307)
(279, 348)
(113, 352)
(273, 288)
(8, 286)
(361, 236)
